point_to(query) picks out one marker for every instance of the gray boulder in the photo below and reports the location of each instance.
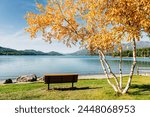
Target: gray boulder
(41, 78)
(8, 81)
(27, 78)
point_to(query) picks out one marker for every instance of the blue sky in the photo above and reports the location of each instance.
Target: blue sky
(12, 24)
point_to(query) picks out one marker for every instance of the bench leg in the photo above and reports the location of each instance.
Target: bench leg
(48, 86)
(72, 84)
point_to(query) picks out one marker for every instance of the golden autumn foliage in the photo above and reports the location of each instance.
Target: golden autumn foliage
(55, 21)
(105, 23)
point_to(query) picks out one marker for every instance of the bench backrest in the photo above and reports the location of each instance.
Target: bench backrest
(60, 78)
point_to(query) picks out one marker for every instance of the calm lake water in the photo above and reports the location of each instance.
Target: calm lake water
(13, 66)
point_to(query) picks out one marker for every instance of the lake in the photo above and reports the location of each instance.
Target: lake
(14, 66)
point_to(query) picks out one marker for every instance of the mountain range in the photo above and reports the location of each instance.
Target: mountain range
(83, 52)
(127, 46)
(8, 51)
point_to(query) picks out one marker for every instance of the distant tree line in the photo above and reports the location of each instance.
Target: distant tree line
(143, 52)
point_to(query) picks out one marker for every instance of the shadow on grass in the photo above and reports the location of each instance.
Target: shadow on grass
(75, 88)
(141, 89)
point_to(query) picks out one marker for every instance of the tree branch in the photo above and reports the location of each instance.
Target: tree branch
(73, 29)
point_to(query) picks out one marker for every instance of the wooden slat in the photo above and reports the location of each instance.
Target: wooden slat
(60, 78)
(60, 74)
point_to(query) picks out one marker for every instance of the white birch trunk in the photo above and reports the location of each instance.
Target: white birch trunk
(132, 68)
(105, 71)
(110, 71)
(120, 69)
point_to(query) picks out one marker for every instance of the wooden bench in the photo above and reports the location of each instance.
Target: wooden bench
(143, 70)
(60, 78)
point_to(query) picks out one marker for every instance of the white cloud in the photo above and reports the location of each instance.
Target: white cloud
(20, 40)
(19, 33)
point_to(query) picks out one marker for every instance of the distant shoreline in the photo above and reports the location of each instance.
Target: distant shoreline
(74, 55)
(86, 76)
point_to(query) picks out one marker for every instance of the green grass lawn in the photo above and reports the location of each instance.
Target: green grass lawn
(86, 90)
